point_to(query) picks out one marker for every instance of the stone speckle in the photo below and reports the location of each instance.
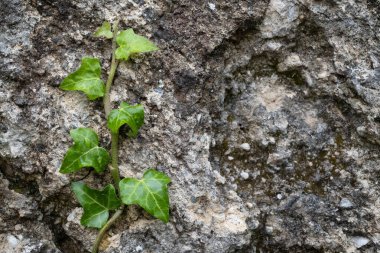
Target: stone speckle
(360, 241)
(244, 175)
(13, 241)
(245, 146)
(345, 203)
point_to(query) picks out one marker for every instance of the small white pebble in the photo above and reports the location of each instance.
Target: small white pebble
(244, 175)
(12, 240)
(245, 146)
(360, 241)
(323, 75)
(219, 178)
(139, 248)
(269, 229)
(212, 6)
(230, 158)
(273, 46)
(249, 204)
(345, 203)
(279, 196)
(290, 62)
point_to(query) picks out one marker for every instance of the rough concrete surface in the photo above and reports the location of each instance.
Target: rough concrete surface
(265, 114)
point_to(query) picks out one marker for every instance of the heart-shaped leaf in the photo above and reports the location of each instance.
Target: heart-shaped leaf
(85, 152)
(86, 79)
(132, 115)
(96, 204)
(104, 31)
(131, 43)
(151, 193)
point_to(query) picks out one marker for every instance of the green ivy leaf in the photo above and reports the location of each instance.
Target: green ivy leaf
(85, 152)
(96, 204)
(104, 31)
(86, 79)
(132, 115)
(151, 193)
(131, 43)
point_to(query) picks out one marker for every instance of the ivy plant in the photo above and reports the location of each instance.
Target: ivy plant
(151, 191)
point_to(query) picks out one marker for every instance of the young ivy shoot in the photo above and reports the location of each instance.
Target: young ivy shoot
(151, 191)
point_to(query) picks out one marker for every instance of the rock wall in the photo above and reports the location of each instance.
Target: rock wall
(265, 114)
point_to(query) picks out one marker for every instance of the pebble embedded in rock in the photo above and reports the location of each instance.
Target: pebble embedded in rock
(13, 241)
(291, 62)
(244, 175)
(219, 178)
(212, 6)
(345, 203)
(360, 241)
(245, 146)
(269, 229)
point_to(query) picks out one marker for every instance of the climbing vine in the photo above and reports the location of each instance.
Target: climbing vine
(151, 191)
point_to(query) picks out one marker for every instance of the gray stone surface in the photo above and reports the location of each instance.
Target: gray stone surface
(296, 81)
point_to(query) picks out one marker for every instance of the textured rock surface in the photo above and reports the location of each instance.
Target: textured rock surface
(265, 114)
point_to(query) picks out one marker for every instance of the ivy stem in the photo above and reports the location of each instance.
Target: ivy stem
(114, 168)
(107, 108)
(114, 156)
(111, 75)
(104, 229)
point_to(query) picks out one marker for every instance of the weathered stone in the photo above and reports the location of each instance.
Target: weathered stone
(299, 81)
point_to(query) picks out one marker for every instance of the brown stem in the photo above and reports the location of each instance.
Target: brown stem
(114, 64)
(104, 229)
(114, 168)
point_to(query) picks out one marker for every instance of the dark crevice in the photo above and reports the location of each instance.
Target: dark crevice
(28, 186)
(63, 242)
